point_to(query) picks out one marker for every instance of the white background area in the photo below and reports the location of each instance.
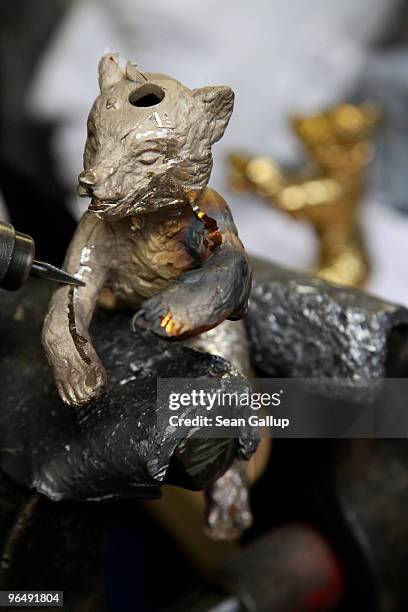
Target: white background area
(279, 56)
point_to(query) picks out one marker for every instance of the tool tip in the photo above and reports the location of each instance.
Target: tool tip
(49, 272)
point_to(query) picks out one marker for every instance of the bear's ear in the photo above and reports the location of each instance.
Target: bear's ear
(109, 71)
(217, 104)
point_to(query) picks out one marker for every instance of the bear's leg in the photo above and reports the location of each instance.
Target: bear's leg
(227, 501)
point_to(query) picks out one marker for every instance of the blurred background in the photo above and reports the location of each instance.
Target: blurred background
(283, 58)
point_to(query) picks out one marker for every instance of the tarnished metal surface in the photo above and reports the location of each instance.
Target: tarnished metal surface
(298, 327)
(113, 448)
(154, 233)
(228, 512)
(149, 140)
(229, 340)
(302, 327)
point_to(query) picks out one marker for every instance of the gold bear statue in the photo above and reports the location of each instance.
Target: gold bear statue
(327, 192)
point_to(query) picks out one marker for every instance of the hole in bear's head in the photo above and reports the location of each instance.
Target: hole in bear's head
(148, 94)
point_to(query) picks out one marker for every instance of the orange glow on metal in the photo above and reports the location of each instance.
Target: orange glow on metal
(165, 319)
(167, 322)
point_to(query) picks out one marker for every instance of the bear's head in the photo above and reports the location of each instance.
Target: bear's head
(149, 140)
(340, 138)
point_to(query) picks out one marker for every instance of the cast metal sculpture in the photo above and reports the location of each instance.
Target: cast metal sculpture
(326, 193)
(153, 232)
(156, 236)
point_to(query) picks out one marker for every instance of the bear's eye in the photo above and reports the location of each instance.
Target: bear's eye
(147, 94)
(148, 157)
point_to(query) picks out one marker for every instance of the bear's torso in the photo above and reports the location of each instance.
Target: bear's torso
(153, 250)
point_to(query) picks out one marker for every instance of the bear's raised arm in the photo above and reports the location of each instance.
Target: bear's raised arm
(202, 298)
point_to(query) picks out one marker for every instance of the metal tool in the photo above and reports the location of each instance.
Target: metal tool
(17, 262)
